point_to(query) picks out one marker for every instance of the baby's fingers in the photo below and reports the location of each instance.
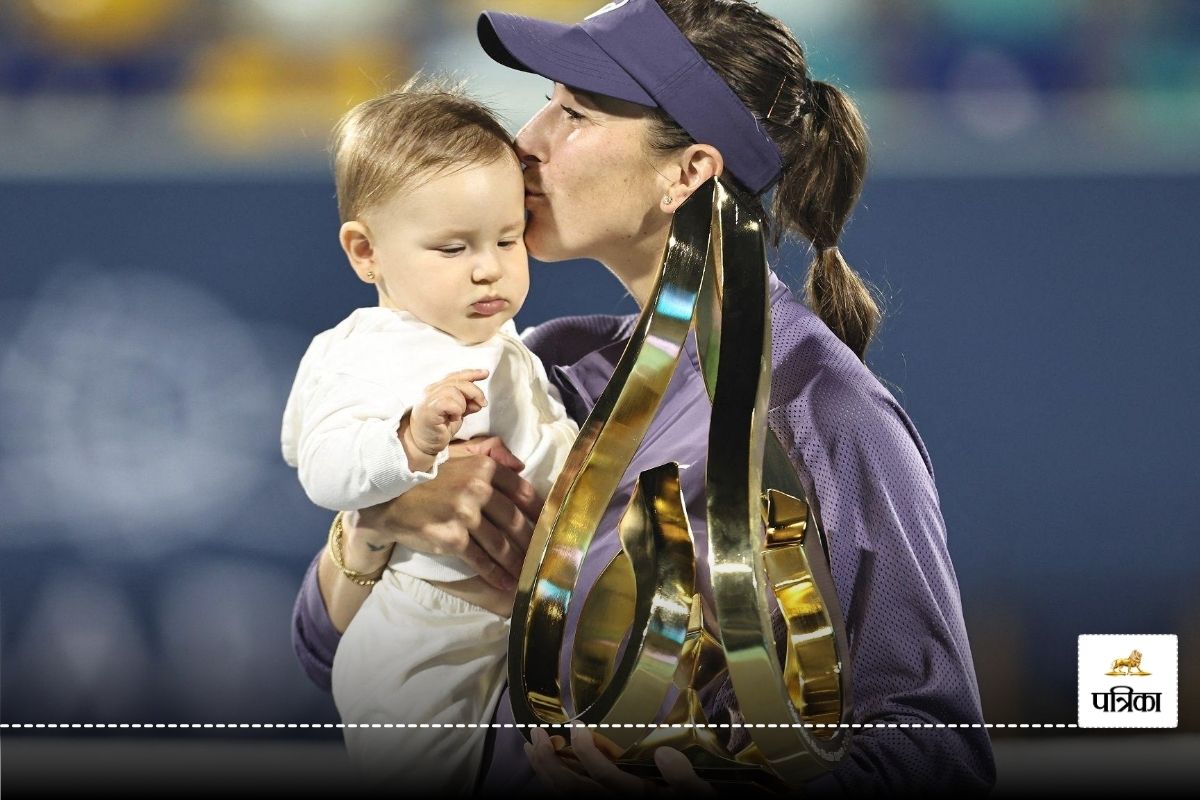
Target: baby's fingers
(472, 394)
(448, 404)
(458, 377)
(463, 383)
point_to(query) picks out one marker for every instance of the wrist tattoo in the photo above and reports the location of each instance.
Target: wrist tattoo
(376, 548)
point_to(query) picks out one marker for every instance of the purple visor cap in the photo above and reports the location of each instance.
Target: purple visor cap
(632, 51)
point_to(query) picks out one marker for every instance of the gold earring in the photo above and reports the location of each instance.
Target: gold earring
(370, 275)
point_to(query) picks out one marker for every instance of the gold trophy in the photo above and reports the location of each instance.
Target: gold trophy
(645, 633)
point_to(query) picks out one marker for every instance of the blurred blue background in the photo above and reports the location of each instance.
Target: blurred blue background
(168, 247)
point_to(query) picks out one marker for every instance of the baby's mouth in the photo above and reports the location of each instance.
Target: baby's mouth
(489, 307)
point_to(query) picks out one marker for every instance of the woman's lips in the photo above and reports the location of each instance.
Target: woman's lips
(487, 308)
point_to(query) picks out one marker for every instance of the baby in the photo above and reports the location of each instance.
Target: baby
(432, 205)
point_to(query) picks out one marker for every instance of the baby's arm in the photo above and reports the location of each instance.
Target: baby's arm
(428, 429)
(348, 451)
(362, 443)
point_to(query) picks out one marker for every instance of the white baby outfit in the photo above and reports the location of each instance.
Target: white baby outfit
(414, 653)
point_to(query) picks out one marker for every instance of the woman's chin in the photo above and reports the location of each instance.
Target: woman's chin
(546, 249)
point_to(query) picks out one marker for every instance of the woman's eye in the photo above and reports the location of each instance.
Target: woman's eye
(572, 113)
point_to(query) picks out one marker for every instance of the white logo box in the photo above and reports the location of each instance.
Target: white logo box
(1128, 697)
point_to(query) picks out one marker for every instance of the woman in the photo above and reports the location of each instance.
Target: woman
(640, 117)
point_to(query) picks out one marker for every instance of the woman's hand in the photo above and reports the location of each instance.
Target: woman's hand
(593, 773)
(477, 508)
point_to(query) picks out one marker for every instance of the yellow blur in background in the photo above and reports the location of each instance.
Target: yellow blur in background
(215, 84)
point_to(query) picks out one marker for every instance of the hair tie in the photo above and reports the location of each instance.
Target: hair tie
(803, 103)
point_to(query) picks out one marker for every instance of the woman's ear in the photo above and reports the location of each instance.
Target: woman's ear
(356, 243)
(697, 164)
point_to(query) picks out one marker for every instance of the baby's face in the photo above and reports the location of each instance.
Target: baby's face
(451, 251)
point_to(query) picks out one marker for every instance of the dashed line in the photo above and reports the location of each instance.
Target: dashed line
(327, 725)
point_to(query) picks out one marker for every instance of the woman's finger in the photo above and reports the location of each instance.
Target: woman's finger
(679, 774)
(601, 767)
(499, 547)
(509, 520)
(491, 446)
(607, 745)
(475, 446)
(519, 491)
(498, 451)
(492, 573)
(553, 770)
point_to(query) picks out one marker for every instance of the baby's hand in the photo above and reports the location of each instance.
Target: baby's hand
(434, 421)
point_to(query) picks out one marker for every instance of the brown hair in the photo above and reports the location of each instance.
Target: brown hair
(819, 132)
(384, 145)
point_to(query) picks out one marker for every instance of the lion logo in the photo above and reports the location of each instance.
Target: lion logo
(1126, 666)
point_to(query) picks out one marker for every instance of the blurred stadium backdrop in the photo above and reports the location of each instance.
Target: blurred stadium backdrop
(167, 248)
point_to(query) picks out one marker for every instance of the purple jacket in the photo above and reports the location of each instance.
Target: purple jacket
(910, 659)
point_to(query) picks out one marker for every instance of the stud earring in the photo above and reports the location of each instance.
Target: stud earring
(667, 199)
(370, 275)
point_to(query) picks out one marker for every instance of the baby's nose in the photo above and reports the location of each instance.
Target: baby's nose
(487, 268)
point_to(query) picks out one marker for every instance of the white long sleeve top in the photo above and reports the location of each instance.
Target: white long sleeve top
(357, 381)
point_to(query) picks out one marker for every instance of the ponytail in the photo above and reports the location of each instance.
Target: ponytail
(825, 156)
(842, 300)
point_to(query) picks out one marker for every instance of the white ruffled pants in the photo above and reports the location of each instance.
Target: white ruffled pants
(416, 654)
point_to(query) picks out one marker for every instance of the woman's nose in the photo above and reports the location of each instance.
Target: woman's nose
(527, 159)
(530, 142)
(527, 156)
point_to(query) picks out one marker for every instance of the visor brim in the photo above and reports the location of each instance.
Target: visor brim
(563, 53)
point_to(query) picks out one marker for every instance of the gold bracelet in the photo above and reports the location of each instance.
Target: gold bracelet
(336, 534)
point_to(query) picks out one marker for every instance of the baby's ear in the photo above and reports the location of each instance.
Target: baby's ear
(356, 243)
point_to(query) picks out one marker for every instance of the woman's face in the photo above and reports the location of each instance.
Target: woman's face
(592, 189)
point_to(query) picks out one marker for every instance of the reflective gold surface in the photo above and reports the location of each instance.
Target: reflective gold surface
(656, 568)
(742, 567)
(642, 637)
(606, 443)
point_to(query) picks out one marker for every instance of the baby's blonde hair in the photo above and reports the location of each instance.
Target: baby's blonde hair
(426, 127)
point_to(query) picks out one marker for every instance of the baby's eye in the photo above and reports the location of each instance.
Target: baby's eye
(451, 250)
(507, 243)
